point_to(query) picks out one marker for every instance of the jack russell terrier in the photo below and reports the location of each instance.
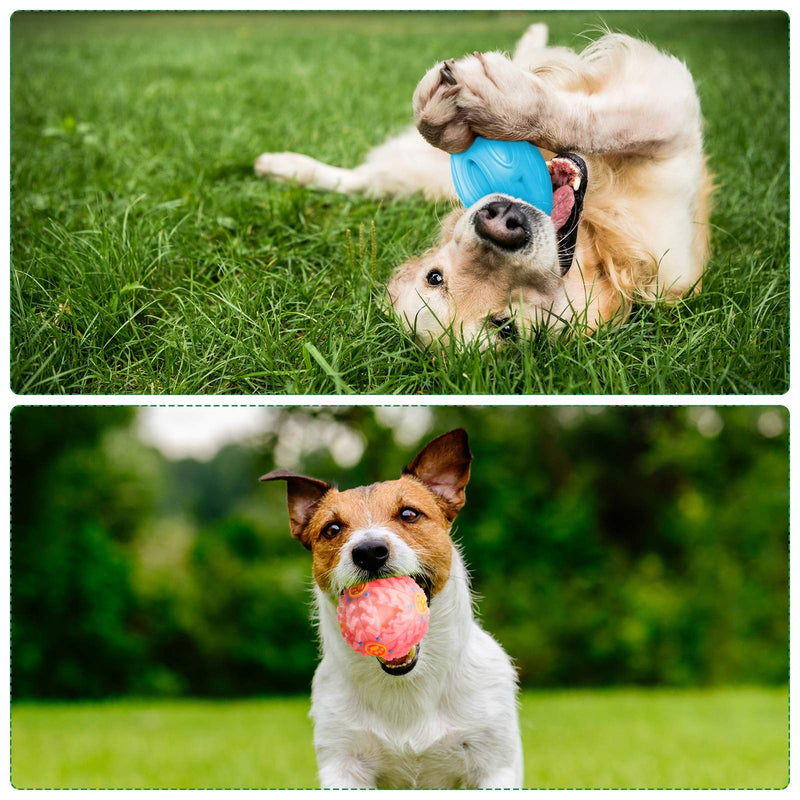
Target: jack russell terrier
(445, 716)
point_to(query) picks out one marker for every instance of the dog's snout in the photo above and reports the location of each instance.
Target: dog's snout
(504, 223)
(371, 555)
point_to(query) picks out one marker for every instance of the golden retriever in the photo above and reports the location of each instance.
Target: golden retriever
(621, 129)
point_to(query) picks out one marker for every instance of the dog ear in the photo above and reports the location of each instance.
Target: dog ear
(448, 225)
(303, 495)
(443, 466)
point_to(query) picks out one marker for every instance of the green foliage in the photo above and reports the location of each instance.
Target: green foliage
(147, 258)
(72, 510)
(607, 546)
(643, 543)
(718, 738)
(241, 624)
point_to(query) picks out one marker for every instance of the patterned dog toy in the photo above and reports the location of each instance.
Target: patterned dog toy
(385, 617)
(517, 169)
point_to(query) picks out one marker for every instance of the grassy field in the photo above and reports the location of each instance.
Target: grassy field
(147, 258)
(723, 738)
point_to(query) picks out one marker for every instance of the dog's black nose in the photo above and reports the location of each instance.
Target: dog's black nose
(504, 223)
(371, 555)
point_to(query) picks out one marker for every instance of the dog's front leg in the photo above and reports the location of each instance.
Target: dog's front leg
(499, 764)
(500, 779)
(341, 768)
(642, 103)
(346, 775)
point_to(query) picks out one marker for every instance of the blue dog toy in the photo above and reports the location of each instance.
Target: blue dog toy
(513, 168)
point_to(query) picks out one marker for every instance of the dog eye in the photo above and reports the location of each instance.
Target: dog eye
(331, 529)
(434, 278)
(506, 329)
(408, 514)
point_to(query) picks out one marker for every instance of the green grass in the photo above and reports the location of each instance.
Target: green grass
(623, 738)
(147, 258)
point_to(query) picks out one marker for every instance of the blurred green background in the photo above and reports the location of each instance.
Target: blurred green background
(609, 547)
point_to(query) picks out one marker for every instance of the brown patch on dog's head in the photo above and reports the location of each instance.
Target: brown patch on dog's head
(379, 507)
(418, 508)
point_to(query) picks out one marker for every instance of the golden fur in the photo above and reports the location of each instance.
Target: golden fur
(630, 111)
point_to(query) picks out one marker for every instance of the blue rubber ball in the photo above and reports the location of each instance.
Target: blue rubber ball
(513, 168)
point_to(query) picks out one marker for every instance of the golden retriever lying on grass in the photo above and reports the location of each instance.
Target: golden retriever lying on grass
(620, 125)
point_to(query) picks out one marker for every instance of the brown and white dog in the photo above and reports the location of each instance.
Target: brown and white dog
(445, 717)
(620, 125)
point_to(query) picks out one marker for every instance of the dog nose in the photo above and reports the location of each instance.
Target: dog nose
(503, 222)
(371, 555)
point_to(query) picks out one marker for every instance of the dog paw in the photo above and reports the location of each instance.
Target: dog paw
(436, 112)
(478, 95)
(286, 167)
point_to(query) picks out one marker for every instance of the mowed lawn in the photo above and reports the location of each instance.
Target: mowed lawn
(147, 258)
(623, 738)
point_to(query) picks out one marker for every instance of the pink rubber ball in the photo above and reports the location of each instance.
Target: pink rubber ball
(385, 617)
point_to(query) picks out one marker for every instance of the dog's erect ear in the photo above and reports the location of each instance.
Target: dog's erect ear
(443, 466)
(303, 495)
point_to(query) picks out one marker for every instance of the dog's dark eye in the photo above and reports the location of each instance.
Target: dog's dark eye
(331, 529)
(434, 278)
(506, 329)
(408, 514)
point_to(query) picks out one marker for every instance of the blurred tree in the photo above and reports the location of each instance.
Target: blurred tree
(75, 503)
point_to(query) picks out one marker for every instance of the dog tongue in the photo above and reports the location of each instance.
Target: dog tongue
(563, 201)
